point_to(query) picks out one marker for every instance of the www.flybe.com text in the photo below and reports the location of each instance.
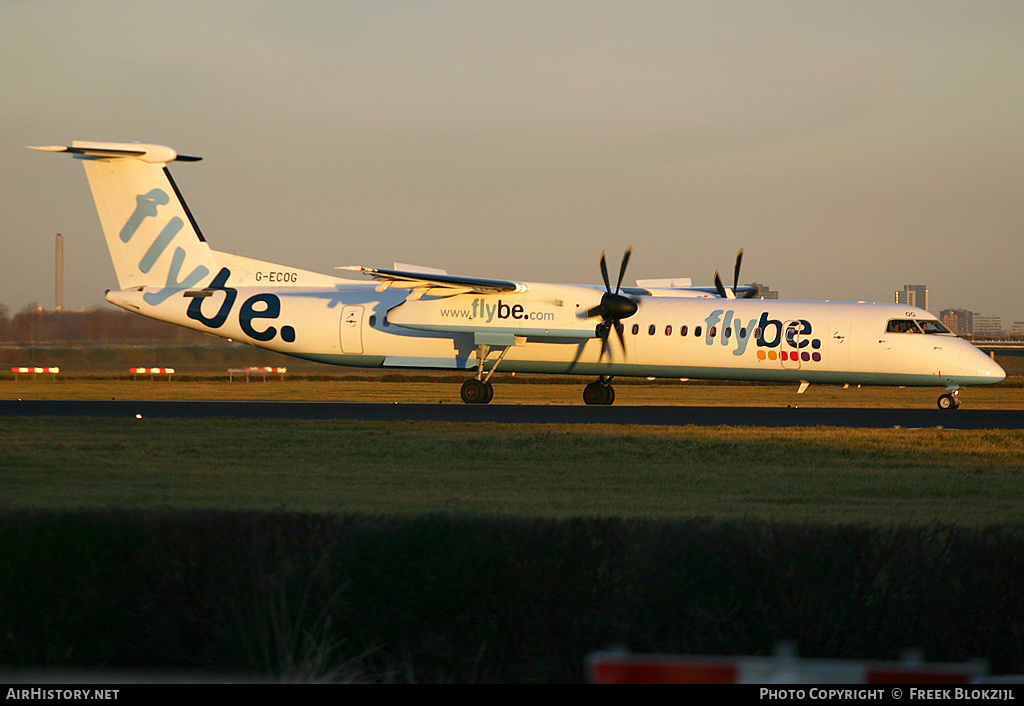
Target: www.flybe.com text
(488, 312)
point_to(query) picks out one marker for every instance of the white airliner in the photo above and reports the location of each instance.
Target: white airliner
(411, 317)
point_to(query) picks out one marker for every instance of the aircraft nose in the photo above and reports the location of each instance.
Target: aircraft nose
(991, 370)
(980, 365)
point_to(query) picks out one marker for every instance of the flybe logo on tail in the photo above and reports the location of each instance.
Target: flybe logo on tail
(259, 306)
(146, 206)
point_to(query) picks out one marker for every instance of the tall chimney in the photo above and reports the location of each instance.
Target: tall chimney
(60, 272)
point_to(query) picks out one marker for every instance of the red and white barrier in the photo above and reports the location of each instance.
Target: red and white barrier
(255, 370)
(23, 370)
(151, 372)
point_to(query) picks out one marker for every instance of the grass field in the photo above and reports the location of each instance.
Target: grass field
(828, 475)
(815, 475)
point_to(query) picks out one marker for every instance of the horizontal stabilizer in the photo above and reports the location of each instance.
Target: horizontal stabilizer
(154, 154)
(153, 239)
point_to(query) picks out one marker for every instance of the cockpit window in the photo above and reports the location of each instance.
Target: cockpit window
(932, 326)
(915, 326)
(902, 326)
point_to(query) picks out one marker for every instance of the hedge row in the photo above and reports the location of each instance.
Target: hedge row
(440, 598)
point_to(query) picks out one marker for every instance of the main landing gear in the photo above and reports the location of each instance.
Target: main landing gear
(950, 400)
(599, 392)
(479, 390)
(613, 308)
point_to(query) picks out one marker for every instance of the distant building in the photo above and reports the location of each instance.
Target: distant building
(1017, 329)
(913, 295)
(763, 291)
(988, 326)
(959, 321)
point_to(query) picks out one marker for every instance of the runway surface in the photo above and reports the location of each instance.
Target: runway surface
(524, 414)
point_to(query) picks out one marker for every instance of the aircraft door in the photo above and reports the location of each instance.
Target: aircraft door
(352, 329)
(790, 350)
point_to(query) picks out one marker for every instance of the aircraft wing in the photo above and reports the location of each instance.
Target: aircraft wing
(742, 292)
(435, 284)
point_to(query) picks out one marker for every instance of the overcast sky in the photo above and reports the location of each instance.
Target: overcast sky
(849, 147)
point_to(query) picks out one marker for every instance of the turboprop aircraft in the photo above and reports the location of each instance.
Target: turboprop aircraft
(410, 317)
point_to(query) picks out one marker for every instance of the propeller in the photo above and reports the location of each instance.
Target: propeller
(614, 306)
(731, 293)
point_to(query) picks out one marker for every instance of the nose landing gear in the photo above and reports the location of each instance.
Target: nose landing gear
(950, 400)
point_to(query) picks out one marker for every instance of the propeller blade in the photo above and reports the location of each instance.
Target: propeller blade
(613, 306)
(602, 333)
(736, 275)
(604, 328)
(722, 291)
(718, 285)
(620, 330)
(622, 269)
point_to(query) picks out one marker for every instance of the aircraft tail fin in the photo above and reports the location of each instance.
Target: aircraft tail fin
(153, 240)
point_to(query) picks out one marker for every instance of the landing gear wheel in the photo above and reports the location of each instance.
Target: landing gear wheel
(948, 401)
(476, 392)
(598, 393)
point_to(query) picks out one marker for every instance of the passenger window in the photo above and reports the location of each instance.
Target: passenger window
(651, 329)
(696, 331)
(636, 329)
(668, 330)
(712, 331)
(682, 330)
(728, 333)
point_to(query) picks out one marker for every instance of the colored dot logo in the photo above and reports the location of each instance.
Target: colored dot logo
(793, 356)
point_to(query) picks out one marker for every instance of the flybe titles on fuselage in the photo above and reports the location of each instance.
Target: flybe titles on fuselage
(792, 336)
(477, 313)
(263, 306)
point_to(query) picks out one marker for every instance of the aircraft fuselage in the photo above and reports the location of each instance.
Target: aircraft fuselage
(351, 323)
